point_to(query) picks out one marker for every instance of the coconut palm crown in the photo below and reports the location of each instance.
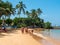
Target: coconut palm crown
(21, 8)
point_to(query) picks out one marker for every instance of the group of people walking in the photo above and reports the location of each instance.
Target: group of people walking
(24, 30)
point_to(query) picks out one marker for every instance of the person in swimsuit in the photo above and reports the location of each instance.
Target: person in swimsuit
(26, 30)
(22, 29)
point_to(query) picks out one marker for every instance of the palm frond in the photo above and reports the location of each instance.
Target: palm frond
(39, 11)
(23, 10)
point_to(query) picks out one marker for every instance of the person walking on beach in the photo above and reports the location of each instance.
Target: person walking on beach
(32, 31)
(22, 29)
(26, 30)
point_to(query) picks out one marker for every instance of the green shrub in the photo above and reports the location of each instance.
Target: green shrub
(21, 25)
(47, 25)
(8, 21)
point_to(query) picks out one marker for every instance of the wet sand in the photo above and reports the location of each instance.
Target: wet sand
(45, 40)
(17, 38)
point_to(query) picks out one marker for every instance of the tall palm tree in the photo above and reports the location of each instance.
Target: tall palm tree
(39, 11)
(1, 4)
(28, 14)
(9, 9)
(21, 7)
(35, 13)
(6, 9)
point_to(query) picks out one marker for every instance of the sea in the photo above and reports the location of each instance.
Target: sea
(52, 33)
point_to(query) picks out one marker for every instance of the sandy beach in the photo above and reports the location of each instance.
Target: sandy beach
(17, 38)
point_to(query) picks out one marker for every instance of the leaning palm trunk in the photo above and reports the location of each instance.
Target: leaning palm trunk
(19, 16)
(3, 20)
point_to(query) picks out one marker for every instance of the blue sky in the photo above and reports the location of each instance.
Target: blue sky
(50, 8)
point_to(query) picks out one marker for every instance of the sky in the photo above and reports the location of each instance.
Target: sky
(50, 9)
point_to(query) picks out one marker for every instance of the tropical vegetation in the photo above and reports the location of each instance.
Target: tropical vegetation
(32, 20)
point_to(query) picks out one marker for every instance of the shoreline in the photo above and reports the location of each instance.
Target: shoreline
(48, 39)
(16, 37)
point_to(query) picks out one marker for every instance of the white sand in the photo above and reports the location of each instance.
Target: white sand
(17, 38)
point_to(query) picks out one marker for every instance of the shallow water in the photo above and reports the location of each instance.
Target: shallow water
(44, 42)
(54, 34)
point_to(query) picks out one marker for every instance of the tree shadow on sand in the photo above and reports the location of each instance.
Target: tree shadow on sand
(12, 31)
(1, 35)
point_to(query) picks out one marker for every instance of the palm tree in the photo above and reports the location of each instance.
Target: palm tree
(9, 9)
(35, 13)
(39, 11)
(1, 4)
(21, 7)
(6, 9)
(28, 14)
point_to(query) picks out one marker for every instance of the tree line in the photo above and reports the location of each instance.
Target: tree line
(32, 19)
